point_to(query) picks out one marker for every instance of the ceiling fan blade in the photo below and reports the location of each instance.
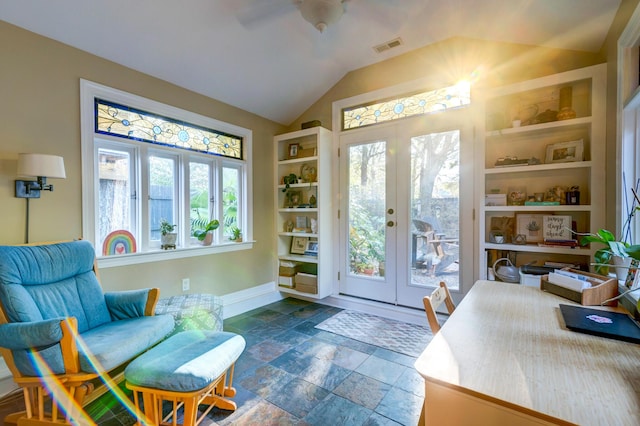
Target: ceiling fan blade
(259, 11)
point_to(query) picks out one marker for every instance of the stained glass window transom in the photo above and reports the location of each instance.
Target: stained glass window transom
(126, 122)
(401, 107)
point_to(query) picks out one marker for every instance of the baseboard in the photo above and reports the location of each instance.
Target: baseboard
(245, 300)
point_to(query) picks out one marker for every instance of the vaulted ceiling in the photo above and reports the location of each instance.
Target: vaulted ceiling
(263, 57)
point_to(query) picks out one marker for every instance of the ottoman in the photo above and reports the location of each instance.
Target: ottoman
(193, 311)
(188, 369)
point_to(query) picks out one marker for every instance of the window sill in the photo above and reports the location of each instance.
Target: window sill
(163, 255)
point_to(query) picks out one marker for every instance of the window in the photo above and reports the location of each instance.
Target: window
(144, 162)
(406, 106)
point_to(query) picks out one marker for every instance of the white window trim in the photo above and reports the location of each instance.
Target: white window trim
(88, 92)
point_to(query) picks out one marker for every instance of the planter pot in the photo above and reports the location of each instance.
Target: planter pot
(208, 239)
(621, 273)
(168, 241)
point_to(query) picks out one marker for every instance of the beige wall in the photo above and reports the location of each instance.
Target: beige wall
(39, 110)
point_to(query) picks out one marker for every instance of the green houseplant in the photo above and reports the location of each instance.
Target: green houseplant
(167, 236)
(236, 234)
(202, 229)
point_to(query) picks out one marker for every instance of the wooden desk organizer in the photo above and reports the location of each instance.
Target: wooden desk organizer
(592, 296)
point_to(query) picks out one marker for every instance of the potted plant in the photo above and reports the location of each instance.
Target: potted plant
(612, 247)
(167, 236)
(202, 230)
(236, 234)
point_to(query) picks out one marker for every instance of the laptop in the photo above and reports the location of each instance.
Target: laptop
(613, 325)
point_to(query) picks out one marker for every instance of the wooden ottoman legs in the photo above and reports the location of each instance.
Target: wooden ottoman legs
(215, 394)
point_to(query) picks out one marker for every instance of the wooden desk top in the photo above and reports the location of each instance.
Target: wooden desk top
(507, 343)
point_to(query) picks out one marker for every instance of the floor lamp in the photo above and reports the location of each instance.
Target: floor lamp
(41, 167)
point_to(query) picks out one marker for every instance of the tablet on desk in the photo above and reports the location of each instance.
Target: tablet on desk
(614, 325)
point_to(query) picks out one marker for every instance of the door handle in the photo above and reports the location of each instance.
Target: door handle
(390, 224)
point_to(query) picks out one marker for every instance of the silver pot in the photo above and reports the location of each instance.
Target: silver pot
(507, 273)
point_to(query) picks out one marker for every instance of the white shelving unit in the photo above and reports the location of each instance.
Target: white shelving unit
(312, 162)
(500, 139)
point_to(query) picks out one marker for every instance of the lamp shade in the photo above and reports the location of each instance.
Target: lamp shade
(41, 165)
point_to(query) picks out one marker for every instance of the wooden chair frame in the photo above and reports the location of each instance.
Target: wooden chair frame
(433, 301)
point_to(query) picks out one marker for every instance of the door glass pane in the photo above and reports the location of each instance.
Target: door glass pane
(435, 208)
(199, 195)
(114, 192)
(162, 194)
(367, 208)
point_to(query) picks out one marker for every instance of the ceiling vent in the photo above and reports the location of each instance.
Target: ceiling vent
(388, 45)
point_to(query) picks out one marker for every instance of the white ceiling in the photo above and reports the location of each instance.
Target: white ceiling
(275, 64)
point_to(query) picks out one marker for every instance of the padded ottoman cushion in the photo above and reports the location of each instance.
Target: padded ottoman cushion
(187, 361)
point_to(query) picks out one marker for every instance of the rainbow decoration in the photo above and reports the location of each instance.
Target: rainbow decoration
(119, 242)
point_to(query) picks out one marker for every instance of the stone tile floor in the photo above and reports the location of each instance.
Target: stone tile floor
(294, 374)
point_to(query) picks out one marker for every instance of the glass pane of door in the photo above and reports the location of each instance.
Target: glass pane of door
(367, 209)
(435, 209)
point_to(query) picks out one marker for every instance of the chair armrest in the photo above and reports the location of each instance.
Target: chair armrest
(132, 303)
(26, 335)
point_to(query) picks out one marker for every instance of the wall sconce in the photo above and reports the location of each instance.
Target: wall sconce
(41, 167)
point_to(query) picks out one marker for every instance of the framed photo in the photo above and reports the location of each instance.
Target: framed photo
(312, 248)
(299, 245)
(530, 225)
(295, 198)
(293, 150)
(565, 152)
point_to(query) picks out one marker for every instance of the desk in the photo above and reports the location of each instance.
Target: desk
(505, 358)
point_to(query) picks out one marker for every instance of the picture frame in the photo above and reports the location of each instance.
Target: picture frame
(298, 245)
(312, 248)
(530, 225)
(557, 227)
(294, 198)
(293, 150)
(565, 152)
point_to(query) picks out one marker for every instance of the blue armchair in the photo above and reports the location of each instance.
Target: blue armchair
(59, 331)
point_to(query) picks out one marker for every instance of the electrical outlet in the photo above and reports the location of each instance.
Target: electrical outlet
(185, 284)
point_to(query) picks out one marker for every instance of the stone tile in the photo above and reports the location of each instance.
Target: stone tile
(411, 381)
(263, 413)
(377, 420)
(330, 337)
(359, 346)
(316, 347)
(264, 379)
(325, 373)
(308, 327)
(401, 406)
(397, 357)
(268, 350)
(362, 390)
(337, 411)
(298, 397)
(290, 337)
(268, 315)
(292, 362)
(381, 370)
(246, 363)
(347, 358)
(244, 324)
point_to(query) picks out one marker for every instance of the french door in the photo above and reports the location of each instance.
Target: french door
(406, 208)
